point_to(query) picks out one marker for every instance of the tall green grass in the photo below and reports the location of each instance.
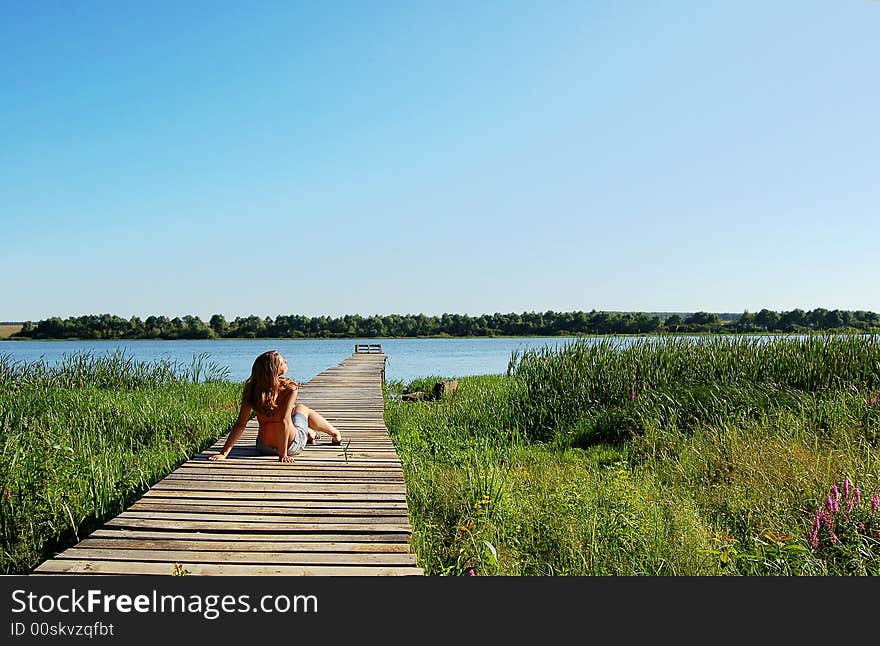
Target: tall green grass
(603, 390)
(81, 440)
(683, 457)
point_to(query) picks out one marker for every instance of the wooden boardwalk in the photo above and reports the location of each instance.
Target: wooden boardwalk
(337, 511)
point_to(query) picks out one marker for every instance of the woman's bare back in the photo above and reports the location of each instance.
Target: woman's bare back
(272, 427)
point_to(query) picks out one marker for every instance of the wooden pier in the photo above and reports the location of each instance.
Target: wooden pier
(337, 511)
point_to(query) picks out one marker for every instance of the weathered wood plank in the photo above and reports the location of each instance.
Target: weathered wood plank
(254, 557)
(277, 489)
(247, 496)
(271, 526)
(282, 507)
(71, 566)
(334, 517)
(241, 545)
(334, 478)
(317, 537)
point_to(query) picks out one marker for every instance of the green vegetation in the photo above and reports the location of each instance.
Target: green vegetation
(80, 441)
(548, 323)
(666, 457)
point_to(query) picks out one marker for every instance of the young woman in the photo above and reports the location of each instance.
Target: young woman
(285, 426)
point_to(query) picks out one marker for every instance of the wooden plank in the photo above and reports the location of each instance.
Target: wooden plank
(71, 566)
(241, 545)
(317, 537)
(283, 506)
(352, 469)
(336, 517)
(292, 496)
(269, 526)
(277, 489)
(361, 516)
(335, 478)
(254, 557)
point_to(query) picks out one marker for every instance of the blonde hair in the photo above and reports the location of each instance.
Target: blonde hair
(262, 388)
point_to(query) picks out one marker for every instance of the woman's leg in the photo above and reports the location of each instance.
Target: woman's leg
(317, 422)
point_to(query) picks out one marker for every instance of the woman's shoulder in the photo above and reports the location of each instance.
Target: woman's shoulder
(286, 384)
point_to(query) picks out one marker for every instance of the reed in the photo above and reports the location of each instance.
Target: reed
(81, 440)
(605, 390)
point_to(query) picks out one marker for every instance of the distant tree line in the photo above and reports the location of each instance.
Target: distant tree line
(107, 326)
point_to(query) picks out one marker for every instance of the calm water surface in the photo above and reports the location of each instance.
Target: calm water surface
(407, 359)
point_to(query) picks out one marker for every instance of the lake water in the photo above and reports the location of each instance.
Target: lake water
(407, 359)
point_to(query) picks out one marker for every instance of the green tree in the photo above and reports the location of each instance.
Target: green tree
(792, 320)
(673, 322)
(219, 325)
(702, 318)
(767, 319)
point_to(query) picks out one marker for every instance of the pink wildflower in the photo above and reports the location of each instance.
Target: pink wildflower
(9, 494)
(861, 527)
(469, 571)
(835, 492)
(846, 487)
(875, 501)
(814, 530)
(632, 393)
(834, 539)
(831, 504)
(858, 496)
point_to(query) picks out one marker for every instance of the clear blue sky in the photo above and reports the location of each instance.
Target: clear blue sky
(330, 158)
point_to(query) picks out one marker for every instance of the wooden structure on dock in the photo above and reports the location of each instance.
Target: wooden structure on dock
(338, 510)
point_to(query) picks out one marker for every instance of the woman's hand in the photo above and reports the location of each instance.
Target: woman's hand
(219, 456)
(286, 458)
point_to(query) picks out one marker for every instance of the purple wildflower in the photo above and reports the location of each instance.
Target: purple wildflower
(632, 393)
(834, 539)
(831, 504)
(861, 527)
(846, 487)
(858, 496)
(8, 494)
(814, 531)
(469, 571)
(875, 501)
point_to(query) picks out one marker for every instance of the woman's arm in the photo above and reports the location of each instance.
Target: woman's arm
(243, 416)
(289, 428)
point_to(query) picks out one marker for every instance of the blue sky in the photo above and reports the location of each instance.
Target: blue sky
(330, 158)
